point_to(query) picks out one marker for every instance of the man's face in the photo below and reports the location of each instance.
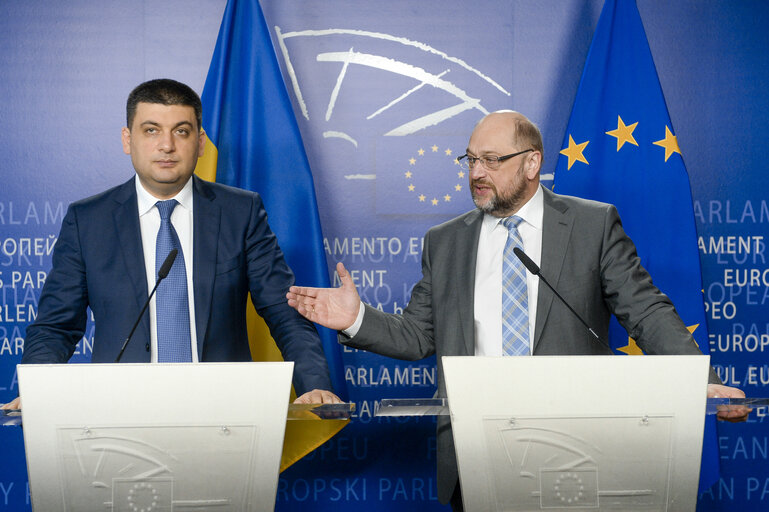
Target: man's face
(503, 191)
(164, 143)
(499, 193)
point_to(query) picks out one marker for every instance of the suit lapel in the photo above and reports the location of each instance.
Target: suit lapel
(557, 223)
(206, 216)
(466, 255)
(126, 221)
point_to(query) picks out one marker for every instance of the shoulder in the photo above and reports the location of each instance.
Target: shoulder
(461, 223)
(107, 199)
(576, 206)
(230, 200)
(221, 192)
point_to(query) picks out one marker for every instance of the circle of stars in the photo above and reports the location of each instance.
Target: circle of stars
(409, 175)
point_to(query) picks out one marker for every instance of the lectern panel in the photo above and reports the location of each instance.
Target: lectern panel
(203, 467)
(544, 463)
(153, 437)
(578, 432)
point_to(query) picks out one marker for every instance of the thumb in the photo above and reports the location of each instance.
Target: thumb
(344, 276)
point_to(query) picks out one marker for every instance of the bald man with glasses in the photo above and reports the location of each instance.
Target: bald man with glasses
(475, 297)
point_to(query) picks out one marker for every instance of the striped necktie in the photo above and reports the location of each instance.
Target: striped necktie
(515, 296)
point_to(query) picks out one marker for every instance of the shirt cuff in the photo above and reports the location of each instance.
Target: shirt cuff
(355, 327)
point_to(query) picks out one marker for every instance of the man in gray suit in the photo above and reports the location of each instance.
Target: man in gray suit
(457, 306)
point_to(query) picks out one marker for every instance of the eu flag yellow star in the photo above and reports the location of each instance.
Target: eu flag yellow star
(632, 348)
(623, 133)
(670, 143)
(574, 152)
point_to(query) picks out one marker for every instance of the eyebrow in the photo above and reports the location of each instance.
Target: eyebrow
(177, 125)
(482, 153)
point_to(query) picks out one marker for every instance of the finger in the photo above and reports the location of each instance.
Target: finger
(733, 419)
(303, 291)
(13, 404)
(734, 414)
(304, 399)
(328, 397)
(344, 276)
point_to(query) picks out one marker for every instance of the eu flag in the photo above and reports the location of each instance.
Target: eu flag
(620, 148)
(254, 143)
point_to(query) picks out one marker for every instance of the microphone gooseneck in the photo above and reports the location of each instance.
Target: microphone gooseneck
(162, 274)
(534, 269)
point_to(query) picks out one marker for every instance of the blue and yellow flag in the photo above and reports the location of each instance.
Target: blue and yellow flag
(620, 148)
(254, 143)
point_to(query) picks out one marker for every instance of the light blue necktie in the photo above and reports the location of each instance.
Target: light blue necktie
(172, 306)
(515, 295)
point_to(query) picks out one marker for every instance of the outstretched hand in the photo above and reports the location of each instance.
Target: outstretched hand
(335, 308)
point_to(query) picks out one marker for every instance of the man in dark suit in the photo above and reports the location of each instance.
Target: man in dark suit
(457, 308)
(106, 257)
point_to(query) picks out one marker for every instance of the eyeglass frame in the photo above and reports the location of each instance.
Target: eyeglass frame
(471, 160)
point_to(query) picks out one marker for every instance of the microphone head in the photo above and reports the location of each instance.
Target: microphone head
(166, 267)
(530, 265)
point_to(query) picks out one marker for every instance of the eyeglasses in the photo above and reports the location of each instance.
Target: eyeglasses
(491, 163)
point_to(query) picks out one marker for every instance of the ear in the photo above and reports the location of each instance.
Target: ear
(533, 163)
(201, 142)
(125, 137)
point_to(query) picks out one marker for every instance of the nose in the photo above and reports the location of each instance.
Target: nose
(166, 142)
(478, 171)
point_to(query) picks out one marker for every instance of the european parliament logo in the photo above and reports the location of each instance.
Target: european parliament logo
(421, 175)
(376, 98)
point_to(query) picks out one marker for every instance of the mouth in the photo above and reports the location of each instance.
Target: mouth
(481, 188)
(166, 163)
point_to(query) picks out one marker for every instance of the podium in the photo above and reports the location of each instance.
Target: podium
(159, 437)
(574, 432)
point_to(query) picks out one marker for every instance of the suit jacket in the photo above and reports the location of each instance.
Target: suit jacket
(98, 261)
(586, 256)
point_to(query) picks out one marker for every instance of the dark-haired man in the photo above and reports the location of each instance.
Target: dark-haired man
(111, 246)
(475, 297)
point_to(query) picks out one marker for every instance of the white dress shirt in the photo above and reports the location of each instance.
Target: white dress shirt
(149, 223)
(488, 274)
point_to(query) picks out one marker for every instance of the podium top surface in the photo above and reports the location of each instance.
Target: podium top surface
(399, 407)
(296, 412)
(440, 406)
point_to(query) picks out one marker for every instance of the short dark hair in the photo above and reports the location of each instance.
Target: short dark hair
(527, 135)
(165, 92)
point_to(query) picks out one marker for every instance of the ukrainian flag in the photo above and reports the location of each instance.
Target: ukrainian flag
(620, 148)
(254, 143)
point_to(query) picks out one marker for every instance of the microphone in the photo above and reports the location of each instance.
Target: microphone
(534, 269)
(165, 268)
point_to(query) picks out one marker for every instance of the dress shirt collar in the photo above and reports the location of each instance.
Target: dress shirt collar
(147, 201)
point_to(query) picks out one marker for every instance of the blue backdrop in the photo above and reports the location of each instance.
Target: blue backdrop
(386, 94)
